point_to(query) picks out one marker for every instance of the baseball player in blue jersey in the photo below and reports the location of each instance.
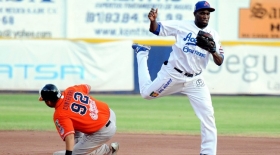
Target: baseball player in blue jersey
(183, 71)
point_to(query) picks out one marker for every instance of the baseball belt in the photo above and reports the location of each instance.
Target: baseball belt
(186, 74)
(108, 123)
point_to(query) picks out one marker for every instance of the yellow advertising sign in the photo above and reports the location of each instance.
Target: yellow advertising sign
(261, 20)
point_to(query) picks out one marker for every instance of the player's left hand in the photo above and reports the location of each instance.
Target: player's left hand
(153, 14)
(205, 41)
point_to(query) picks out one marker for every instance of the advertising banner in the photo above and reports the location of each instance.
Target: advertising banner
(28, 65)
(246, 70)
(32, 19)
(261, 20)
(118, 19)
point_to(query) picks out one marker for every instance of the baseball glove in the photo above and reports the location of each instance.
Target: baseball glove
(205, 40)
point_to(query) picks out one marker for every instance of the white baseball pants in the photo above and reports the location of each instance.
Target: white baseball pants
(170, 81)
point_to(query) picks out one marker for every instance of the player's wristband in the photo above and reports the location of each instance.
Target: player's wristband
(68, 152)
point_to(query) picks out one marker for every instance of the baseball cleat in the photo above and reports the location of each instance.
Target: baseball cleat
(138, 48)
(115, 148)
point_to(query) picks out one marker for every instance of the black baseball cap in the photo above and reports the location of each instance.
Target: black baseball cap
(203, 5)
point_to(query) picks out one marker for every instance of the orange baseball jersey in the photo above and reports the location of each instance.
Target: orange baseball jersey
(76, 110)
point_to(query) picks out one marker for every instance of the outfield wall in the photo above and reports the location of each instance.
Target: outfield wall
(26, 65)
(104, 20)
(88, 41)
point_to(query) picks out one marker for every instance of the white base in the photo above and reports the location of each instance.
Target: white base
(59, 152)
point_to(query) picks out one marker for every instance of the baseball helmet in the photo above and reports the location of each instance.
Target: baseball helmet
(49, 93)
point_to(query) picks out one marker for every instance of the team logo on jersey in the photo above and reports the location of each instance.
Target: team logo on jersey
(59, 127)
(93, 111)
(154, 94)
(186, 49)
(190, 40)
(199, 83)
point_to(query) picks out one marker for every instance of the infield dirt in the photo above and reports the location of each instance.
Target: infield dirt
(47, 142)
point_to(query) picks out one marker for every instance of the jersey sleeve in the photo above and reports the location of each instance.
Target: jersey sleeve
(219, 47)
(64, 127)
(85, 88)
(168, 28)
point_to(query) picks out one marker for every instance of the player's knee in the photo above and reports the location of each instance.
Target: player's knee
(146, 96)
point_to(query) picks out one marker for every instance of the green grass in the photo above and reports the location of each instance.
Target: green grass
(24, 112)
(244, 116)
(248, 115)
